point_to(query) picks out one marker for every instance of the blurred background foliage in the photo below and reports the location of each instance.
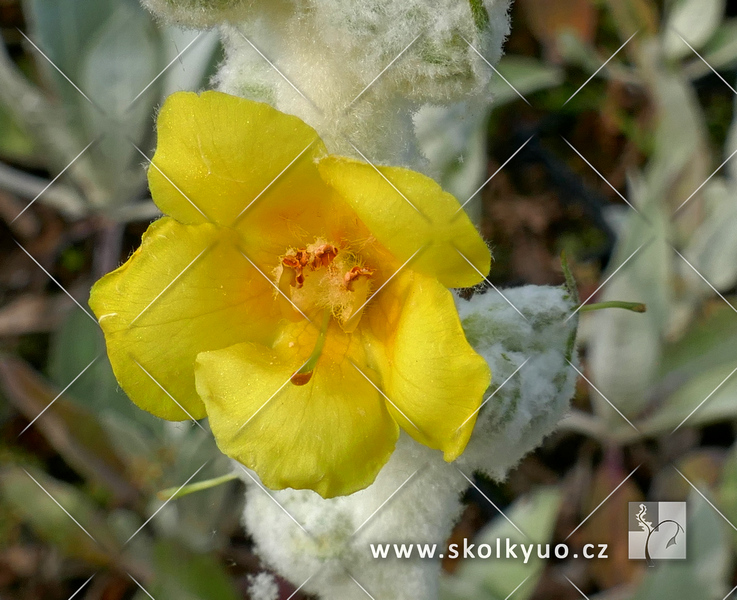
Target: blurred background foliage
(629, 168)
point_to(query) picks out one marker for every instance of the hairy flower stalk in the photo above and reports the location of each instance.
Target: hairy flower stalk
(358, 72)
(317, 331)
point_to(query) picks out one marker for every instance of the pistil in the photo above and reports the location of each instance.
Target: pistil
(303, 376)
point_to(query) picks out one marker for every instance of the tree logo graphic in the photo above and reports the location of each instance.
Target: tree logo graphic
(657, 531)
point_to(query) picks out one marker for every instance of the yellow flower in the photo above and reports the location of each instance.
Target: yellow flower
(298, 300)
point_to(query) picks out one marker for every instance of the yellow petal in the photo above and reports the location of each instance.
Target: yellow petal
(408, 212)
(433, 377)
(217, 155)
(186, 290)
(331, 435)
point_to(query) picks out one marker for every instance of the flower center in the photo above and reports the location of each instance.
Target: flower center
(324, 276)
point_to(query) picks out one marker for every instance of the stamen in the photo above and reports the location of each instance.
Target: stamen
(354, 274)
(295, 265)
(303, 376)
(323, 256)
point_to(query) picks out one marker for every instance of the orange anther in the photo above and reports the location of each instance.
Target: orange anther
(291, 262)
(303, 256)
(295, 262)
(324, 255)
(354, 274)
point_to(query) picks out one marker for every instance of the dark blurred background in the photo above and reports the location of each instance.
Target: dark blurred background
(628, 169)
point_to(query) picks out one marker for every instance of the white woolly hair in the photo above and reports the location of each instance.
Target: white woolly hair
(416, 496)
(358, 71)
(529, 405)
(331, 544)
(263, 586)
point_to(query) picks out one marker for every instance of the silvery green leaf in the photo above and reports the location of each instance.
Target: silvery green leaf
(708, 342)
(194, 54)
(627, 342)
(681, 159)
(453, 139)
(719, 53)
(62, 29)
(118, 64)
(712, 249)
(528, 76)
(705, 398)
(693, 20)
(492, 579)
(576, 51)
